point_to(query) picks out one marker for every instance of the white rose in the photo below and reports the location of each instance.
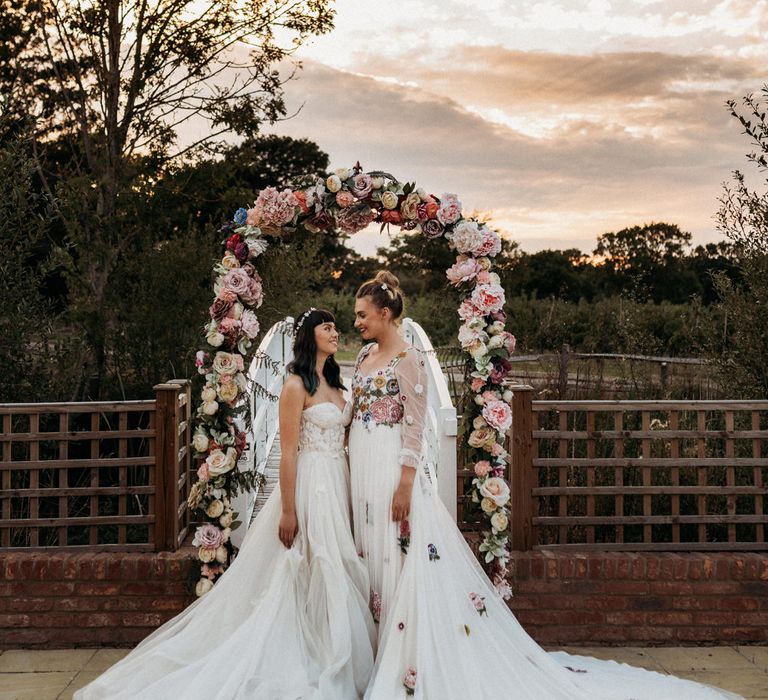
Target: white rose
(479, 422)
(226, 519)
(224, 363)
(496, 489)
(256, 246)
(496, 342)
(377, 183)
(226, 533)
(228, 392)
(389, 200)
(214, 338)
(499, 522)
(200, 442)
(495, 279)
(220, 462)
(210, 407)
(496, 327)
(206, 555)
(466, 237)
(333, 183)
(221, 554)
(208, 393)
(203, 586)
(343, 173)
(215, 509)
(488, 505)
(423, 196)
(477, 349)
(230, 261)
(507, 396)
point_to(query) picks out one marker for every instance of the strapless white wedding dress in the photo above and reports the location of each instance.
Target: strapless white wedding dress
(281, 624)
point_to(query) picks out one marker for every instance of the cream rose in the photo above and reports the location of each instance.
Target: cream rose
(230, 261)
(226, 519)
(214, 338)
(482, 437)
(220, 462)
(479, 422)
(488, 505)
(215, 509)
(228, 392)
(343, 173)
(210, 407)
(200, 442)
(389, 200)
(423, 196)
(203, 586)
(220, 554)
(496, 342)
(225, 363)
(377, 182)
(333, 183)
(208, 393)
(499, 522)
(409, 209)
(206, 555)
(496, 489)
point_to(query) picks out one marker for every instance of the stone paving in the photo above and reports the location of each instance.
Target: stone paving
(56, 674)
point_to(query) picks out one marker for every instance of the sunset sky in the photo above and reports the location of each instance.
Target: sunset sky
(562, 119)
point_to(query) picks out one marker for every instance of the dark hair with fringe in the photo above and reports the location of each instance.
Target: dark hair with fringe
(305, 352)
(384, 290)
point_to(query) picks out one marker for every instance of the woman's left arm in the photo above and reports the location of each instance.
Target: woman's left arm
(412, 380)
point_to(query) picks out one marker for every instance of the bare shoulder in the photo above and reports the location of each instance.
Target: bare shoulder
(293, 389)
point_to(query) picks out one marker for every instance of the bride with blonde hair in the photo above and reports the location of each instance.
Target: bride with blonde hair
(443, 631)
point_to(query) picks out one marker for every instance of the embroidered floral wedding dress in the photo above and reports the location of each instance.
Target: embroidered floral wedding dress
(280, 624)
(444, 633)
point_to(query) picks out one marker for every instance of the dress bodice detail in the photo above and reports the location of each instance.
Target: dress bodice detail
(322, 429)
(377, 397)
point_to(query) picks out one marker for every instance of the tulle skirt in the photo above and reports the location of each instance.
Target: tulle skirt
(280, 624)
(444, 633)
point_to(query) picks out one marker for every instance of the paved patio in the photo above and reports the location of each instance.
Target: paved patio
(55, 675)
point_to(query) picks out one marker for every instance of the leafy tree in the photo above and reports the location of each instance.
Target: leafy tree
(113, 81)
(743, 218)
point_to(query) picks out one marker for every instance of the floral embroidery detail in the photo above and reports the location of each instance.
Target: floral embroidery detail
(405, 535)
(401, 626)
(409, 420)
(409, 680)
(419, 389)
(377, 397)
(375, 605)
(479, 602)
(433, 555)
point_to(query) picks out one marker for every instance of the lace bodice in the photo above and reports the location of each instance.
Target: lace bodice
(322, 429)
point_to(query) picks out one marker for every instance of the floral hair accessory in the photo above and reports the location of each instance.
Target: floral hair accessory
(304, 317)
(384, 286)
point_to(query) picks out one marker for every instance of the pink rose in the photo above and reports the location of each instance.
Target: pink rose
(491, 244)
(510, 342)
(498, 415)
(477, 384)
(449, 211)
(237, 282)
(490, 395)
(362, 185)
(202, 472)
(464, 270)
(219, 309)
(208, 536)
(228, 324)
(345, 199)
(432, 229)
(468, 310)
(482, 468)
(227, 295)
(253, 217)
(250, 324)
(486, 297)
(484, 277)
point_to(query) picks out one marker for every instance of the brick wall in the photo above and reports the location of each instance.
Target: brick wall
(641, 598)
(61, 599)
(50, 600)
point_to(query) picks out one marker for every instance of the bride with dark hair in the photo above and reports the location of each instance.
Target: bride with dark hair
(289, 619)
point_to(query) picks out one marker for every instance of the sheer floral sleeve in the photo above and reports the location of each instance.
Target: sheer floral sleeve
(412, 379)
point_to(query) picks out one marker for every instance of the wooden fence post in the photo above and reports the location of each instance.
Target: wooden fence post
(521, 469)
(166, 467)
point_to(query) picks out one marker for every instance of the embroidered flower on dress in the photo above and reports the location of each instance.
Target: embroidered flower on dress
(401, 626)
(433, 555)
(405, 535)
(375, 604)
(409, 680)
(409, 420)
(418, 389)
(479, 602)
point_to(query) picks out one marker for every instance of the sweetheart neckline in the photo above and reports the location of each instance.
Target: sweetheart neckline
(322, 403)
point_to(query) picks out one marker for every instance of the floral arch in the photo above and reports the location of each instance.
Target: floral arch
(348, 200)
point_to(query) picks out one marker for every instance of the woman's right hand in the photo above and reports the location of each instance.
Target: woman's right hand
(288, 527)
